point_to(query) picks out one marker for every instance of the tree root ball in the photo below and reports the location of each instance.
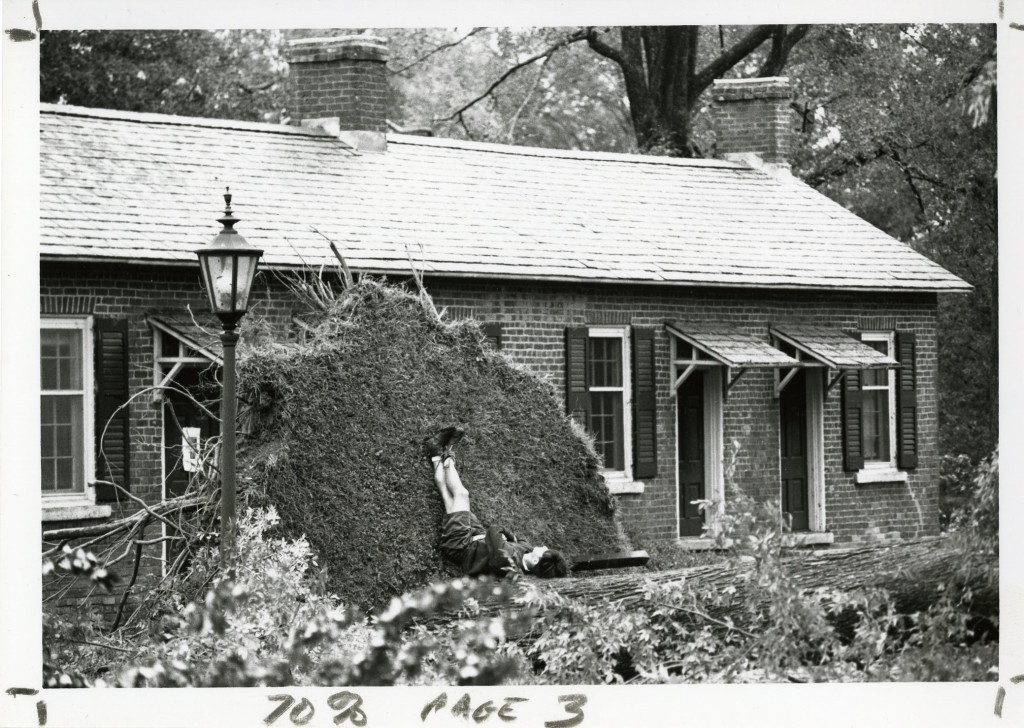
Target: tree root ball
(335, 443)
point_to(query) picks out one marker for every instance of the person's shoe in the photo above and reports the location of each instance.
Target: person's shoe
(434, 446)
(454, 437)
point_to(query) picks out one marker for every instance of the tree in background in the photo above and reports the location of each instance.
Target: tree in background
(654, 76)
(899, 126)
(897, 123)
(227, 74)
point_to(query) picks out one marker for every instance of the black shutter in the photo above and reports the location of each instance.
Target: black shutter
(577, 397)
(853, 447)
(492, 330)
(906, 400)
(645, 410)
(111, 387)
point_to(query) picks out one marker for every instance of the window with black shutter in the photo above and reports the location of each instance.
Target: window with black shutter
(610, 391)
(492, 330)
(880, 411)
(906, 399)
(645, 433)
(111, 392)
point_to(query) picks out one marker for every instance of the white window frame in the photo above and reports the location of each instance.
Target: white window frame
(619, 481)
(61, 505)
(884, 471)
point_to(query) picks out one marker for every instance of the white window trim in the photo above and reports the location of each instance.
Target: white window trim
(884, 471)
(56, 504)
(620, 481)
(815, 382)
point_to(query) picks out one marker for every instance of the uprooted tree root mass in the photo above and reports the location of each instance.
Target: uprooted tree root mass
(336, 443)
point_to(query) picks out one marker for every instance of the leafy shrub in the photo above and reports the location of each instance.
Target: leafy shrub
(957, 474)
(268, 622)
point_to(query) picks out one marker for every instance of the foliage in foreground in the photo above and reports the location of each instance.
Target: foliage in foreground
(271, 623)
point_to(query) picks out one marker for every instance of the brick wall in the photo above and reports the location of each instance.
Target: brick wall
(340, 77)
(130, 292)
(753, 115)
(533, 319)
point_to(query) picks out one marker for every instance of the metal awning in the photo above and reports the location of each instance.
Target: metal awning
(724, 345)
(831, 348)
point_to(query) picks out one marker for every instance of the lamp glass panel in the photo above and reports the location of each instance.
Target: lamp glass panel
(246, 265)
(218, 271)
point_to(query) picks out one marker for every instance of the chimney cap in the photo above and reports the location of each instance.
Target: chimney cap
(342, 47)
(740, 89)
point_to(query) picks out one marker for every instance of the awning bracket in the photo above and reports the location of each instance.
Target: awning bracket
(683, 377)
(780, 384)
(729, 380)
(838, 378)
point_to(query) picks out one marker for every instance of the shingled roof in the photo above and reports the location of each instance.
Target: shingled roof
(147, 187)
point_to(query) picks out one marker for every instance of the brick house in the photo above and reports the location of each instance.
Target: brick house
(715, 323)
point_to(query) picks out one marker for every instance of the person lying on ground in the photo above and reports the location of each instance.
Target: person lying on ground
(479, 549)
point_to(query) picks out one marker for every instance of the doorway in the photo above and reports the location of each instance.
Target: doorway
(691, 439)
(793, 446)
(187, 431)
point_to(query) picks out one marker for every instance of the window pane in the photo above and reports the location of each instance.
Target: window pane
(876, 377)
(61, 358)
(605, 357)
(61, 440)
(875, 422)
(606, 426)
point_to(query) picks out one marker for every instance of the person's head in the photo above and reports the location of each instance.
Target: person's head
(545, 563)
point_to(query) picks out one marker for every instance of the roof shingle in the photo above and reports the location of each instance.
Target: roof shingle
(119, 185)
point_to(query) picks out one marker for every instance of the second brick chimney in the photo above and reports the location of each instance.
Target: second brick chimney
(753, 121)
(340, 84)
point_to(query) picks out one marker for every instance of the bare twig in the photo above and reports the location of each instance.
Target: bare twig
(708, 617)
(526, 100)
(442, 47)
(346, 273)
(567, 40)
(131, 584)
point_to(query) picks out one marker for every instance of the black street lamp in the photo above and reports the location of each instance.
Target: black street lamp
(228, 265)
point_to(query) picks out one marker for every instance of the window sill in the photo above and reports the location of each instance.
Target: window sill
(67, 509)
(699, 543)
(619, 484)
(881, 475)
(789, 540)
(807, 539)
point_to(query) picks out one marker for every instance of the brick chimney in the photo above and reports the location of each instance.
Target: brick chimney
(752, 120)
(339, 84)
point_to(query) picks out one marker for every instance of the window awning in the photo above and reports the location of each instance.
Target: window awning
(825, 347)
(834, 348)
(730, 347)
(200, 344)
(723, 345)
(179, 342)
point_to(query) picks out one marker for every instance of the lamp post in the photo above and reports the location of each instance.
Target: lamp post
(228, 266)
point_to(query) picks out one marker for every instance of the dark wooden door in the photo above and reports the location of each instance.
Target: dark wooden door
(690, 410)
(182, 413)
(793, 445)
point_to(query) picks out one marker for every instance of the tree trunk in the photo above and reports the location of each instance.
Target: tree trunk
(912, 572)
